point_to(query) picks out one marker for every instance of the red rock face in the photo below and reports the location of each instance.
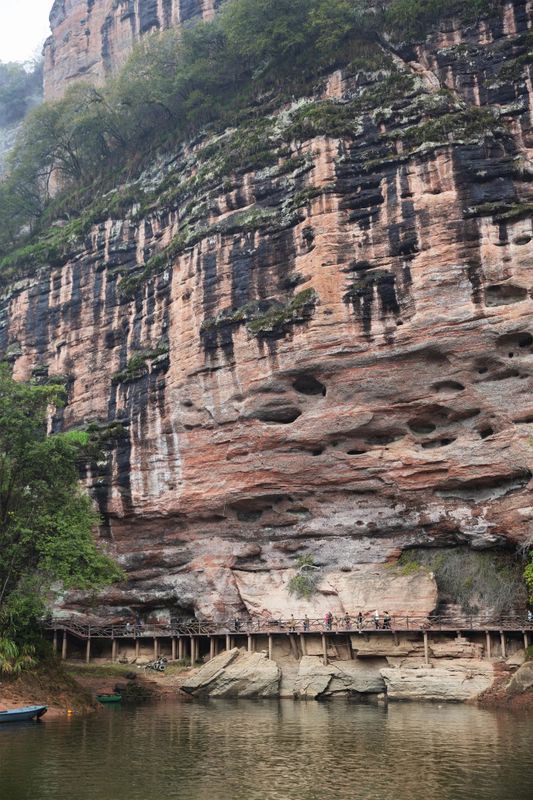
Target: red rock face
(335, 361)
(91, 39)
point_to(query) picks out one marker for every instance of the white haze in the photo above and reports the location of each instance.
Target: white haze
(23, 28)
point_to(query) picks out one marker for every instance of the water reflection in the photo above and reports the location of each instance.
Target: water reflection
(266, 750)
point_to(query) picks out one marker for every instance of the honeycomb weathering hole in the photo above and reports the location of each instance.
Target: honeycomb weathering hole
(308, 384)
(283, 415)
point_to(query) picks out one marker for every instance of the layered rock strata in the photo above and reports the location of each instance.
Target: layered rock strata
(322, 347)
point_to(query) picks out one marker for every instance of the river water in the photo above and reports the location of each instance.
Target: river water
(269, 750)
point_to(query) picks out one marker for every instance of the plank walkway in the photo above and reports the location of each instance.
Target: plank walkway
(186, 636)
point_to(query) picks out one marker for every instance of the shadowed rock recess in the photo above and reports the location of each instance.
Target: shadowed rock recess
(323, 348)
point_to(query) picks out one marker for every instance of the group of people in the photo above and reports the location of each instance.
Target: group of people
(346, 621)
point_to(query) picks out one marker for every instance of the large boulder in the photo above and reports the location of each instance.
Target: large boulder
(522, 680)
(457, 680)
(315, 679)
(236, 673)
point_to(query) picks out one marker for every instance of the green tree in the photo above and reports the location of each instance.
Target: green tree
(46, 520)
(528, 577)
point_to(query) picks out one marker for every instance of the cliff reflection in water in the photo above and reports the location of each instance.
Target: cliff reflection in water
(247, 750)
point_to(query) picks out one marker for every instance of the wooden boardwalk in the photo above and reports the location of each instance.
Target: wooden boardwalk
(188, 637)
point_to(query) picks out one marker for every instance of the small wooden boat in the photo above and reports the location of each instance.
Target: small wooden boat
(21, 714)
(109, 698)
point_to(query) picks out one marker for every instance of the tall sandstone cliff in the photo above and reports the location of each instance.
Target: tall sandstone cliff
(91, 39)
(323, 350)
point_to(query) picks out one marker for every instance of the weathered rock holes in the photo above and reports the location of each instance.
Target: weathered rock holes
(383, 439)
(249, 516)
(309, 385)
(486, 432)
(515, 343)
(421, 426)
(448, 387)
(438, 443)
(504, 294)
(355, 452)
(280, 415)
(521, 240)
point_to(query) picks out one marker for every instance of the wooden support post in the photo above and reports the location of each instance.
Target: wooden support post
(55, 642)
(228, 642)
(88, 651)
(212, 644)
(504, 648)
(64, 646)
(173, 645)
(137, 648)
(113, 650)
(324, 649)
(488, 647)
(156, 647)
(270, 647)
(193, 651)
(303, 644)
(526, 640)
(426, 647)
(395, 636)
(250, 643)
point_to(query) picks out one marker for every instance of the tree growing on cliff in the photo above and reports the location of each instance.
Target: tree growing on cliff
(528, 577)
(46, 520)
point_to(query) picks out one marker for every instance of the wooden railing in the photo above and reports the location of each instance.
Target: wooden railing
(85, 630)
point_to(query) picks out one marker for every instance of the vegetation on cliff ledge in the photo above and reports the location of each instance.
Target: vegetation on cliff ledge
(217, 73)
(46, 520)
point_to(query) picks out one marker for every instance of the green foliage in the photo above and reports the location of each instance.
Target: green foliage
(528, 576)
(14, 659)
(253, 55)
(138, 364)
(299, 309)
(463, 124)
(305, 562)
(304, 583)
(475, 580)
(415, 18)
(46, 521)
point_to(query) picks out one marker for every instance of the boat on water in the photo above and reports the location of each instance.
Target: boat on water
(109, 698)
(22, 714)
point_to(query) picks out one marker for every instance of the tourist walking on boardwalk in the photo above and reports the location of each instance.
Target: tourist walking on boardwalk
(347, 621)
(306, 623)
(292, 624)
(328, 619)
(386, 621)
(360, 622)
(376, 619)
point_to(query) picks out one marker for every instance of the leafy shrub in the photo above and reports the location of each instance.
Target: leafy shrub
(414, 18)
(474, 580)
(304, 583)
(528, 576)
(14, 659)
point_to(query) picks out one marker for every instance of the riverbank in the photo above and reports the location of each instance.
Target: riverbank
(48, 684)
(132, 682)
